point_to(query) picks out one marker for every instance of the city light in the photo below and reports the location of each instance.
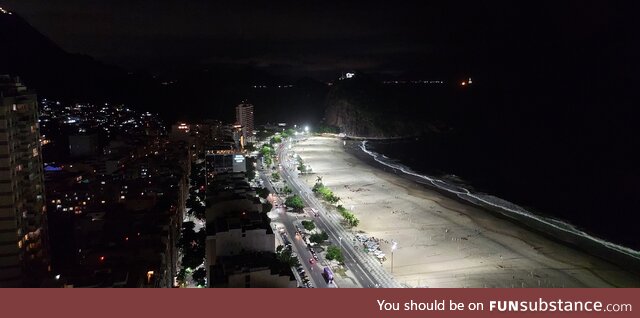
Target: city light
(150, 276)
(208, 210)
(394, 246)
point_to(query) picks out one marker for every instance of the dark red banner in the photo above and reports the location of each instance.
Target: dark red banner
(306, 303)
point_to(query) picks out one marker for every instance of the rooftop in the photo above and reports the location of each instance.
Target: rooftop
(11, 86)
(240, 220)
(246, 263)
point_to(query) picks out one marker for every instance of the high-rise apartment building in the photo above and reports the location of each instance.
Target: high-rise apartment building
(22, 209)
(244, 117)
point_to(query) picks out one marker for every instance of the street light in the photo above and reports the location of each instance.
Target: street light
(306, 129)
(394, 246)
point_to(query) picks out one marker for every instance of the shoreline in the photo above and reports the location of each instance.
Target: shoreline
(583, 241)
(444, 242)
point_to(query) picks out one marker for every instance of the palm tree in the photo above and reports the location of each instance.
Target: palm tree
(319, 179)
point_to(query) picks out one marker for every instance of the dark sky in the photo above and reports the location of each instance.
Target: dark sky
(321, 38)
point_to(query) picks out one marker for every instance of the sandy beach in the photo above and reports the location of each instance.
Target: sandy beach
(445, 243)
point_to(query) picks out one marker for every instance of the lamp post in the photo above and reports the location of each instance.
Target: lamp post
(394, 246)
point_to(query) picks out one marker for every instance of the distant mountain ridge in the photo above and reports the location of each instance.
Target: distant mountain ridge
(190, 92)
(363, 107)
(53, 72)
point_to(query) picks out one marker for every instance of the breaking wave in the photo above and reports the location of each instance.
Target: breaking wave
(504, 207)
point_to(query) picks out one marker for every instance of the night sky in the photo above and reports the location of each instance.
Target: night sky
(322, 38)
(553, 108)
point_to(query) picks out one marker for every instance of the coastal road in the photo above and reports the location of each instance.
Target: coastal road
(368, 271)
(313, 272)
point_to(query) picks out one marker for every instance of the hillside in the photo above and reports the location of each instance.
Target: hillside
(363, 107)
(53, 72)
